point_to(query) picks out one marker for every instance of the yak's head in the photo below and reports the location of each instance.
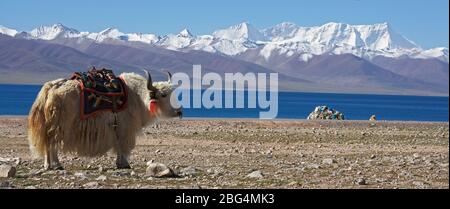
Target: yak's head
(160, 93)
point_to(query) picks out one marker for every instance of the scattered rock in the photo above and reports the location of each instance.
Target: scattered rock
(313, 166)
(30, 187)
(328, 161)
(419, 184)
(11, 161)
(133, 173)
(119, 173)
(4, 184)
(189, 171)
(294, 184)
(214, 172)
(159, 170)
(91, 185)
(373, 156)
(255, 174)
(101, 178)
(80, 175)
(7, 171)
(445, 165)
(196, 186)
(360, 181)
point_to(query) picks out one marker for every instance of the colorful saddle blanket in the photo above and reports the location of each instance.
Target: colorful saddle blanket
(101, 91)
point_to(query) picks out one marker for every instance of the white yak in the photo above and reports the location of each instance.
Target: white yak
(54, 122)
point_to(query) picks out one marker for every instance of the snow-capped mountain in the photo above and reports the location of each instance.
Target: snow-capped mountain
(243, 31)
(440, 53)
(178, 41)
(7, 31)
(365, 41)
(54, 31)
(288, 39)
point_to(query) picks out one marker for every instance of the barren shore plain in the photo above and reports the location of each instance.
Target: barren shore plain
(245, 153)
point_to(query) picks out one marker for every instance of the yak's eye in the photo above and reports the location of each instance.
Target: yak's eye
(163, 95)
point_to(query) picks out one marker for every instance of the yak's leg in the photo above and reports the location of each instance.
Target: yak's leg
(47, 159)
(122, 161)
(51, 161)
(54, 159)
(122, 148)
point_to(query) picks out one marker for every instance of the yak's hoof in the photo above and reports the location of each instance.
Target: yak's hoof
(123, 167)
(59, 168)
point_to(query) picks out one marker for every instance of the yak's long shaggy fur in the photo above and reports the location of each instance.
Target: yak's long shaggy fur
(54, 120)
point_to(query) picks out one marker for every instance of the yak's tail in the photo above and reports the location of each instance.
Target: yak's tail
(37, 132)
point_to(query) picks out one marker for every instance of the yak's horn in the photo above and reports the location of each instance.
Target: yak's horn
(169, 76)
(149, 81)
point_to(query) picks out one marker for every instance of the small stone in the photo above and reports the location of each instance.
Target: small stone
(7, 171)
(361, 181)
(373, 157)
(80, 175)
(189, 171)
(419, 184)
(255, 174)
(101, 169)
(159, 170)
(30, 187)
(11, 161)
(313, 166)
(293, 184)
(328, 161)
(196, 186)
(91, 185)
(61, 172)
(4, 184)
(133, 173)
(445, 165)
(416, 155)
(101, 178)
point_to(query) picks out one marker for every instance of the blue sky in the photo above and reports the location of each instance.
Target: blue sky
(422, 21)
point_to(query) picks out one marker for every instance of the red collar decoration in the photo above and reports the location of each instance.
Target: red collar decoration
(153, 107)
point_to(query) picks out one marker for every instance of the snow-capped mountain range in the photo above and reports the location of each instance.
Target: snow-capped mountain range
(287, 39)
(334, 57)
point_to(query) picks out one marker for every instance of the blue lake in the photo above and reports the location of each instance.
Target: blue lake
(17, 100)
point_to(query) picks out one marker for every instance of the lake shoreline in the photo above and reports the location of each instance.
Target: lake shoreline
(276, 119)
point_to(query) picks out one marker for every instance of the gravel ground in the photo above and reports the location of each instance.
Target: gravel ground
(240, 153)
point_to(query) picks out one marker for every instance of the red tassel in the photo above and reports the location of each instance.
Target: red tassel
(153, 106)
